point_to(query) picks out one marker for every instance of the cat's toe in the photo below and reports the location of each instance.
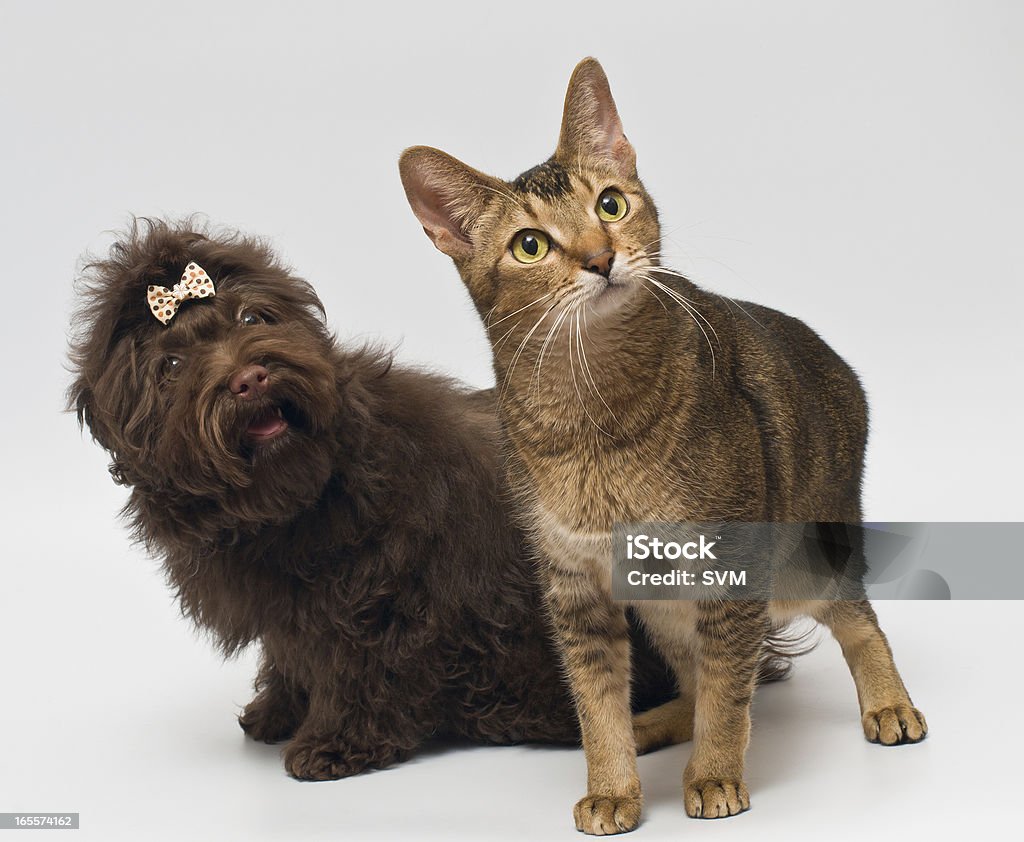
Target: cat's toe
(606, 815)
(894, 725)
(715, 799)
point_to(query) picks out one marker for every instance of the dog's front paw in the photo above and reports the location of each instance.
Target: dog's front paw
(601, 815)
(308, 761)
(893, 725)
(266, 724)
(715, 798)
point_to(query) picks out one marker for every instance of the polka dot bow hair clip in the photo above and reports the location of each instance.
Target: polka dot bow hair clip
(194, 283)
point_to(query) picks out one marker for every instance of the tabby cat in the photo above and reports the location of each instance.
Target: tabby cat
(630, 394)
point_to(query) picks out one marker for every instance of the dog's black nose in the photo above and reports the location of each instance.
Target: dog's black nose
(249, 382)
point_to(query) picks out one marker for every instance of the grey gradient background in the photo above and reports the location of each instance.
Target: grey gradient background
(856, 165)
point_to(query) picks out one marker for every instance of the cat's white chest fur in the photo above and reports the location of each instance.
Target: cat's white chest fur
(580, 550)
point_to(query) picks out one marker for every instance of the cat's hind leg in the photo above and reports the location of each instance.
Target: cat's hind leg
(664, 725)
(670, 628)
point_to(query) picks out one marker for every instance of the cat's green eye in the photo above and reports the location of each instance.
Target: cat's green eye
(612, 206)
(529, 246)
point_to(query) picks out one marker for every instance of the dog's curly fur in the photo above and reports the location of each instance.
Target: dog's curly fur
(366, 548)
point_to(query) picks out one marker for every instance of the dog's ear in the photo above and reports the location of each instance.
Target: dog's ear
(81, 401)
(81, 397)
(447, 197)
(114, 397)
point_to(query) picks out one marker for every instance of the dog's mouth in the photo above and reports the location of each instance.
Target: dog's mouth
(267, 425)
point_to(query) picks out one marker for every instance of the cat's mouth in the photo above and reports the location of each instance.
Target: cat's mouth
(618, 284)
(609, 293)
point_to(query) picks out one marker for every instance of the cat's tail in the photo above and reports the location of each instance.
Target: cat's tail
(781, 647)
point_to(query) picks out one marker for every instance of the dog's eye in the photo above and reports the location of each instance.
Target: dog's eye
(251, 317)
(172, 365)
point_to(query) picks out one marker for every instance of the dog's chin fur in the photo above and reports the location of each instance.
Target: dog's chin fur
(209, 478)
(366, 548)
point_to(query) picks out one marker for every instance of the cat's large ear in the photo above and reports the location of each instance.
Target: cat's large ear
(446, 196)
(590, 122)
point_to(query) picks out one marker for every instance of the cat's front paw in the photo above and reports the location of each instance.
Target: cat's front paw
(715, 798)
(311, 761)
(894, 725)
(601, 815)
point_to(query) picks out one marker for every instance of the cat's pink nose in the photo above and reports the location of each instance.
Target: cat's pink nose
(600, 263)
(250, 382)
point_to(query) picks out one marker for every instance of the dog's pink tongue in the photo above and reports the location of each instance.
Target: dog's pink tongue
(266, 425)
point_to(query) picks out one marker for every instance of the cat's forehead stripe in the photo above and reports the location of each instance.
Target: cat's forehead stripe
(548, 181)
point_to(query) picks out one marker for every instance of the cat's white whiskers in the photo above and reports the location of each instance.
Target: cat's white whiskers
(572, 370)
(586, 363)
(651, 292)
(505, 336)
(666, 235)
(673, 273)
(657, 239)
(538, 365)
(515, 312)
(582, 355)
(682, 302)
(522, 345)
(746, 312)
(691, 310)
(693, 258)
(569, 300)
(689, 303)
(638, 264)
(658, 255)
(729, 299)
